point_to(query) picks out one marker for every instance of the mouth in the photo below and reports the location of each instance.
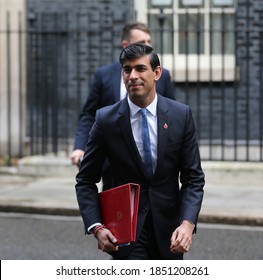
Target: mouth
(135, 86)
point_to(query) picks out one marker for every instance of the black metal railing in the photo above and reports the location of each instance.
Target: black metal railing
(56, 56)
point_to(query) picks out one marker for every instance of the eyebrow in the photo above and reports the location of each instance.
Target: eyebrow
(143, 41)
(136, 66)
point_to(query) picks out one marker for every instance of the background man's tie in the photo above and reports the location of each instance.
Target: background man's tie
(146, 143)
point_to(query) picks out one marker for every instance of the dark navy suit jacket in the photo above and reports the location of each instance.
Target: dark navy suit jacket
(178, 159)
(105, 90)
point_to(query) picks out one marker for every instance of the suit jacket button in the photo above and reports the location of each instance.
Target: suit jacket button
(144, 209)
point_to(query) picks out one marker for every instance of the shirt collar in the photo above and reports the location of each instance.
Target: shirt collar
(152, 108)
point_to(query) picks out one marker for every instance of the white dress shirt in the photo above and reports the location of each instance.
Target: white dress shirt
(123, 90)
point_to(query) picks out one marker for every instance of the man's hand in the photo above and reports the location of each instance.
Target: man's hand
(106, 240)
(76, 156)
(181, 239)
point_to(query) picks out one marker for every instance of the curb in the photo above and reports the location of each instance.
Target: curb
(203, 218)
(230, 220)
(39, 210)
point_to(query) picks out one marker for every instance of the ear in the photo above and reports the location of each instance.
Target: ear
(157, 73)
(124, 43)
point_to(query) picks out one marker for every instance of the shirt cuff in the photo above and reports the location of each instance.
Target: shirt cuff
(92, 226)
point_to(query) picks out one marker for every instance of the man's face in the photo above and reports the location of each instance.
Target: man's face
(138, 36)
(140, 79)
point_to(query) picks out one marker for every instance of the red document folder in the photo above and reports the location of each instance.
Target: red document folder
(119, 210)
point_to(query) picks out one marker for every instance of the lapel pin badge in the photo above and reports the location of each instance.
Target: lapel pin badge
(165, 126)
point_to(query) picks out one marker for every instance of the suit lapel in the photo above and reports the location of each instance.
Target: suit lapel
(125, 125)
(163, 129)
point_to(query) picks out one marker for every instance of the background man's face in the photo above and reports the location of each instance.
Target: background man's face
(138, 36)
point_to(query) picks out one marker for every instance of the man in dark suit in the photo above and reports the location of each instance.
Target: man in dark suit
(108, 88)
(168, 211)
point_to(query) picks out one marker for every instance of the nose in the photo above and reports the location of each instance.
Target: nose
(133, 74)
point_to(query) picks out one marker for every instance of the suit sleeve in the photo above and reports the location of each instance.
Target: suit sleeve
(89, 176)
(87, 116)
(191, 173)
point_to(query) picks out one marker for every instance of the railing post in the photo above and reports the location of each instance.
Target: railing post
(161, 19)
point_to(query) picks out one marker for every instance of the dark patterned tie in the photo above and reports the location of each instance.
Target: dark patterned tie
(146, 143)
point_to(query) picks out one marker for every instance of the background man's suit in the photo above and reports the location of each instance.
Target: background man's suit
(178, 153)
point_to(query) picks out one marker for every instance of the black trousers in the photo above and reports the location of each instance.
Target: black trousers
(146, 247)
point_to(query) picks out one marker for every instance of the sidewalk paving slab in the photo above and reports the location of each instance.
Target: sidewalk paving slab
(233, 191)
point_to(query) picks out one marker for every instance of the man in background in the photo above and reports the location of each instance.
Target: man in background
(108, 88)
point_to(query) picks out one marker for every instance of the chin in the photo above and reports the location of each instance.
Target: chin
(138, 94)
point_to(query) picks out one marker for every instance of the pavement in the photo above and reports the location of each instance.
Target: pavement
(46, 185)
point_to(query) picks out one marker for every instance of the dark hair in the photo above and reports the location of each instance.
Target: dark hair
(137, 50)
(126, 31)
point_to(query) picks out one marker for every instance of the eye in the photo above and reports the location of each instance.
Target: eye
(127, 70)
(141, 68)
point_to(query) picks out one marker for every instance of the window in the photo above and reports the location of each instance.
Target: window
(195, 38)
